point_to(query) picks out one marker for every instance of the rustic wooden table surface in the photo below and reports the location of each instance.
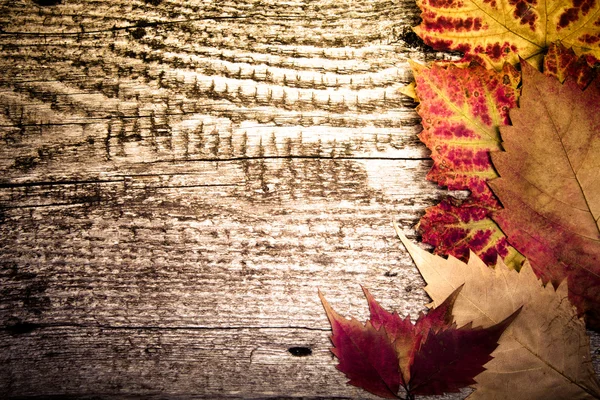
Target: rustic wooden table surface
(180, 177)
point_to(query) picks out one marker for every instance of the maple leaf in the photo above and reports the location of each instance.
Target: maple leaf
(550, 185)
(432, 356)
(497, 31)
(462, 110)
(545, 352)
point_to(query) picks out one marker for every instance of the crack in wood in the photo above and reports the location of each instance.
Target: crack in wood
(29, 327)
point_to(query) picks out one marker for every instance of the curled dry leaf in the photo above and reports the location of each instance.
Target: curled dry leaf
(549, 185)
(544, 354)
(431, 357)
(497, 31)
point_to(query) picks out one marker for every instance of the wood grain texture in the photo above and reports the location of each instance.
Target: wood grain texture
(180, 177)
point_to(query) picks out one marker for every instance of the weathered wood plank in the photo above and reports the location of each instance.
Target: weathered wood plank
(133, 251)
(180, 177)
(178, 363)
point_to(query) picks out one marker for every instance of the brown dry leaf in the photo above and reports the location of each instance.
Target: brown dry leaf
(549, 185)
(544, 354)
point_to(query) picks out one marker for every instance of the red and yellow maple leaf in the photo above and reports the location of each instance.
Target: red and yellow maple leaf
(462, 110)
(456, 227)
(493, 32)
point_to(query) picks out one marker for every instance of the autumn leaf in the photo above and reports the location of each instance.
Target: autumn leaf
(462, 110)
(366, 354)
(549, 185)
(406, 336)
(457, 227)
(493, 32)
(431, 357)
(545, 352)
(561, 63)
(450, 358)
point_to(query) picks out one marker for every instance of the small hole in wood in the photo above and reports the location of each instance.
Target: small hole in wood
(300, 351)
(138, 33)
(20, 328)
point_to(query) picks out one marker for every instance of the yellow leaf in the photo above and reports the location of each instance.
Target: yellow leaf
(495, 31)
(410, 91)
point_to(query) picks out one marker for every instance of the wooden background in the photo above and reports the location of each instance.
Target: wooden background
(180, 177)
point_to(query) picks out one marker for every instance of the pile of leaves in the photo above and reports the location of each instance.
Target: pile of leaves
(545, 205)
(516, 123)
(542, 347)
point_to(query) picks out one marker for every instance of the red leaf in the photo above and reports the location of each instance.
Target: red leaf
(561, 62)
(366, 354)
(456, 227)
(402, 334)
(406, 336)
(394, 325)
(381, 356)
(461, 110)
(439, 317)
(449, 359)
